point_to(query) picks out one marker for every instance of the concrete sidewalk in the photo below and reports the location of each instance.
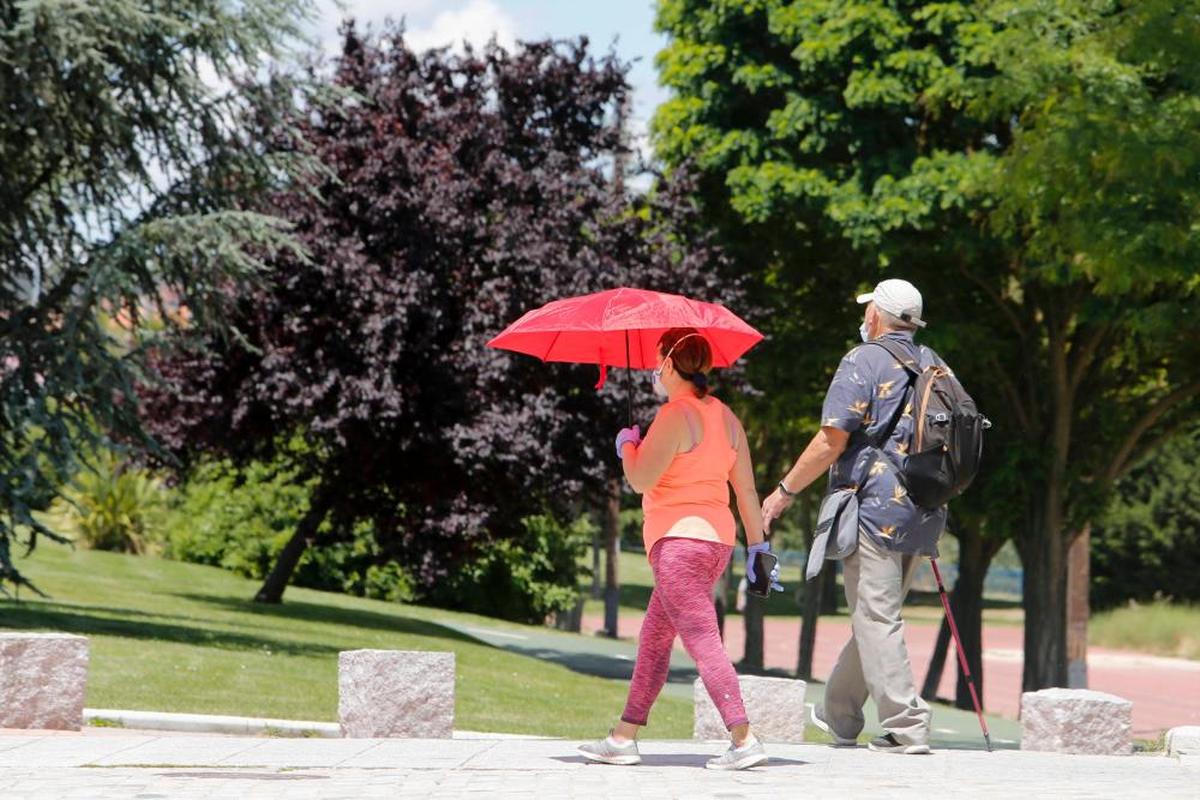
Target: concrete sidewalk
(129, 764)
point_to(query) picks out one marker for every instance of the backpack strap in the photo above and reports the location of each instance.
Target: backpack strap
(910, 368)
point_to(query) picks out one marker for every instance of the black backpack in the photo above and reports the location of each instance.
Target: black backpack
(947, 442)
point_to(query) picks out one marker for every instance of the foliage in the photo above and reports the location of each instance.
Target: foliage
(240, 519)
(1147, 545)
(524, 578)
(466, 190)
(124, 177)
(1031, 165)
(1159, 627)
(110, 505)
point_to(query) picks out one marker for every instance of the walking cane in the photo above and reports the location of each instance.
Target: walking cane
(962, 657)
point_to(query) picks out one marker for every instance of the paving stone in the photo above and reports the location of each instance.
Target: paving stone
(775, 707)
(43, 679)
(1183, 741)
(1076, 721)
(403, 693)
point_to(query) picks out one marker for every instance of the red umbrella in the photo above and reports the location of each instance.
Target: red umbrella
(621, 328)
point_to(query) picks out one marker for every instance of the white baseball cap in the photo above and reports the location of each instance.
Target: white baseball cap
(897, 297)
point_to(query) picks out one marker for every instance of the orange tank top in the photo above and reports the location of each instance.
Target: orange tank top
(696, 483)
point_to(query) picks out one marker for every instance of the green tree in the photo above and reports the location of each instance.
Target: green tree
(123, 180)
(1031, 165)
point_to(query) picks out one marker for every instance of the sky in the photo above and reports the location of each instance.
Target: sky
(626, 25)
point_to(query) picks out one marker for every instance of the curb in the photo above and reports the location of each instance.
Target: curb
(242, 726)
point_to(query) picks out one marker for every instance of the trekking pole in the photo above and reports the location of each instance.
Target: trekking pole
(962, 657)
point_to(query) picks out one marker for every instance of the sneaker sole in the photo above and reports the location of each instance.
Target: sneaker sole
(740, 764)
(904, 749)
(838, 741)
(616, 761)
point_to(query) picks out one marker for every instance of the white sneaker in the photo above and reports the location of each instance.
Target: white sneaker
(817, 714)
(748, 755)
(890, 744)
(608, 751)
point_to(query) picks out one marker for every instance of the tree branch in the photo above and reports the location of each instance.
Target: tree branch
(1010, 391)
(1126, 459)
(1087, 354)
(1123, 460)
(996, 298)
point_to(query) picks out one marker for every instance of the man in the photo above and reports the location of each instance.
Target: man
(870, 393)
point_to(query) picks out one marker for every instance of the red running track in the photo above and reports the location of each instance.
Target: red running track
(1165, 691)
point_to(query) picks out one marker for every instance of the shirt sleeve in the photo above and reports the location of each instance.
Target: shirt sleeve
(848, 401)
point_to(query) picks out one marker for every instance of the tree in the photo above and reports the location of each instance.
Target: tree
(1032, 166)
(123, 182)
(464, 190)
(1146, 545)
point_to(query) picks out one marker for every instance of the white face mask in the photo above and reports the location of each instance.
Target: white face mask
(864, 332)
(656, 382)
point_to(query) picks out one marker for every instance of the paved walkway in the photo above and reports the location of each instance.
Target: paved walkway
(1165, 691)
(132, 765)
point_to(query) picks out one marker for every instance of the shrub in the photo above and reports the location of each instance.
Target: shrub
(241, 519)
(522, 579)
(110, 505)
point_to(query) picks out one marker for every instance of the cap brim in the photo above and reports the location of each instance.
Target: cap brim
(866, 298)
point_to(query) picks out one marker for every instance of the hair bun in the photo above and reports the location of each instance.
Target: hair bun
(699, 379)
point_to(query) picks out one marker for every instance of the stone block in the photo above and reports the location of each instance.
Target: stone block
(1076, 721)
(43, 679)
(775, 707)
(1183, 741)
(396, 693)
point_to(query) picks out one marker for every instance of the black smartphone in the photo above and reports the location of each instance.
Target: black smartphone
(764, 564)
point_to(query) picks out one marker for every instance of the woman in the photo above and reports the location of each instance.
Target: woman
(693, 450)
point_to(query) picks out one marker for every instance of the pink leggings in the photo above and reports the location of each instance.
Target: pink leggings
(684, 573)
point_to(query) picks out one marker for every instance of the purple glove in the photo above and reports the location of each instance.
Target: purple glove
(628, 435)
(752, 556)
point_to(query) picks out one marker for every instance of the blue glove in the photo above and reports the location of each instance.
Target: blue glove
(752, 557)
(633, 435)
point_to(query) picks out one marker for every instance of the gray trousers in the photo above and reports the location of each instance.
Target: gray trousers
(874, 662)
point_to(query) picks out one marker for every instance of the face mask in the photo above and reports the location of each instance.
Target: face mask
(656, 381)
(864, 332)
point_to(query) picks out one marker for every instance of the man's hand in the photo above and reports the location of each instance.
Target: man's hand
(774, 506)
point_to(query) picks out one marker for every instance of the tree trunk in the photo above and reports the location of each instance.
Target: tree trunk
(1078, 609)
(1043, 559)
(612, 538)
(752, 657)
(596, 548)
(811, 597)
(967, 606)
(830, 596)
(281, 573)
(937, 663)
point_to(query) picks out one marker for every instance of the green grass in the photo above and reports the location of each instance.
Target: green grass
(1161, 628)
(167, 636)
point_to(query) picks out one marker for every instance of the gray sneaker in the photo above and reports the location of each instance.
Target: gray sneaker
(890, 744)
(817, 715)
(606, 751)
(745, 757)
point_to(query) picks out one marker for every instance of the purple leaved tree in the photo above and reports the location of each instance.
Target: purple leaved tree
(462, 190)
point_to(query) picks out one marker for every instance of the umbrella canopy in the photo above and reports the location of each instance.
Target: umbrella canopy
(621, 328)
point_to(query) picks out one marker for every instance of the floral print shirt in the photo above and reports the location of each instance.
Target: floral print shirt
(867, 390)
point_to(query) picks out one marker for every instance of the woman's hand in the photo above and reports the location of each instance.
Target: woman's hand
(628, 436)
(774, 506)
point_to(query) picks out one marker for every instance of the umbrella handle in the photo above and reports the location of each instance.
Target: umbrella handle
(628, 381)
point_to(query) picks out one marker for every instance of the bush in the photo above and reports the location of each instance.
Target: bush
(241, 519)
(523, 579)
(1147, 545)
(110, 505)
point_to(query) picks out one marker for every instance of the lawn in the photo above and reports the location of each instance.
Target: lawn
(1161, 628)
(168, 636)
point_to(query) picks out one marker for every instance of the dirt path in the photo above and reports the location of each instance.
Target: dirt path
(1165, 691)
